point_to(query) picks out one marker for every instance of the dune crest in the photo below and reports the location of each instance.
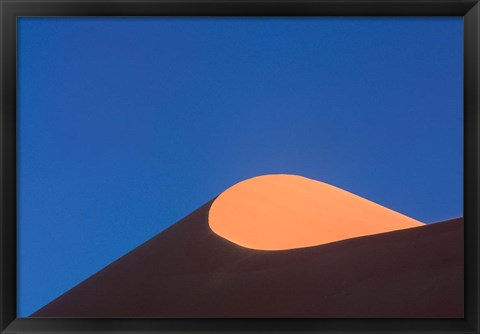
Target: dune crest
(280, 211)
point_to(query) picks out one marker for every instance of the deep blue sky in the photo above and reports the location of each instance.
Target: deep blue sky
(127, 125)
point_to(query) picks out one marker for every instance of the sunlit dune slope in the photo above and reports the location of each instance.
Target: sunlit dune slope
(278, 212)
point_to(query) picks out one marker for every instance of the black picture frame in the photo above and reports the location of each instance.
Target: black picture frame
(10, 10)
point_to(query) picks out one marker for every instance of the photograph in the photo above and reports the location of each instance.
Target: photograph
(240, 167)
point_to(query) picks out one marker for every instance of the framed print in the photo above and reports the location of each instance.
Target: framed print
(224, 166)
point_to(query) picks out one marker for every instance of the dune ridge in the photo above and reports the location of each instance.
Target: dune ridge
(190, 270)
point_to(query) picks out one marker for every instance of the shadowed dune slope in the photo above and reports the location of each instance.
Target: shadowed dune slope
(282, 211)
(189, 271)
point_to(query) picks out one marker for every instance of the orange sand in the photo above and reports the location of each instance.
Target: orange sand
(276, 212)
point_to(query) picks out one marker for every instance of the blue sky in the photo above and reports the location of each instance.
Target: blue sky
(125, 125)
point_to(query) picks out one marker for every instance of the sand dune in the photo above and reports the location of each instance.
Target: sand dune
(189, 271)
(275, 212)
